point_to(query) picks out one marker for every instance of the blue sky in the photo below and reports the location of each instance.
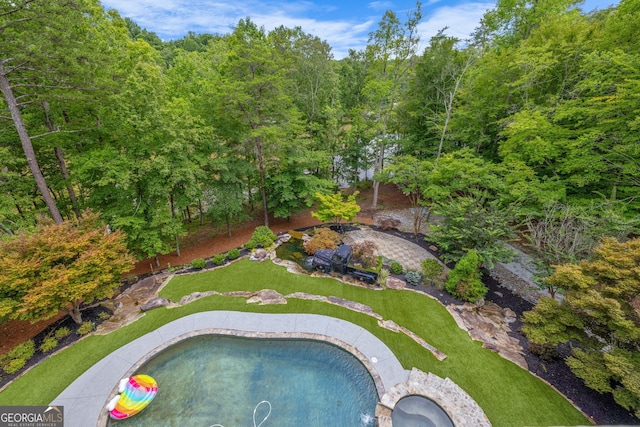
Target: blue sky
(344, 24)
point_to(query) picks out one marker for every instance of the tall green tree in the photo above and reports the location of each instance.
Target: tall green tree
(148, 168)
(314, 78)
(255, 105)
(224, 196)
(411, 177)
(391, 53)
(293, 186)
(428, 106)
(514, 20)
(45, 56)
(352, 72)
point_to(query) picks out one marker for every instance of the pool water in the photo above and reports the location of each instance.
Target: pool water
(419, 411)
(293, 250)
(219, 380)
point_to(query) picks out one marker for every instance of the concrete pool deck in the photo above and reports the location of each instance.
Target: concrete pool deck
(85, 399)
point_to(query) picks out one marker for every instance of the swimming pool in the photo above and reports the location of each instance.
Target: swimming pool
(211, 379)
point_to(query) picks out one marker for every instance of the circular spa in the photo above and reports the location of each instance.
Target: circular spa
(233, 381)
(419, 411)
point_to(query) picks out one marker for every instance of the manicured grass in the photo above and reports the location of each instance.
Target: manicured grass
(509, 395)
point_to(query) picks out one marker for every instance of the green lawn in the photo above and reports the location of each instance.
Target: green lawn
(509, 395)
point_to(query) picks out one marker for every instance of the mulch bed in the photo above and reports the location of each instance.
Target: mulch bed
(600, 408)
(92, 315)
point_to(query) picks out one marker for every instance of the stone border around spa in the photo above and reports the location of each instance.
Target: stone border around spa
(461, 408)
(85, 399)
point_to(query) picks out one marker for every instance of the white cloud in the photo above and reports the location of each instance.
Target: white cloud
(172, 19)
(381, 5)
(461, 20)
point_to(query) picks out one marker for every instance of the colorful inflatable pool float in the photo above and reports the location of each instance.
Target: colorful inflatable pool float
(135, 394)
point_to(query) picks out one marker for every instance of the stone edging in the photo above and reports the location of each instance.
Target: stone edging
(103, 419)
(255, 297)
(461, 408)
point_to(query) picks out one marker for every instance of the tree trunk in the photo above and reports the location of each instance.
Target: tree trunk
(201, 212)
(448, 107)
(177, 247)
(263, 185)
(27, 146)
(75, 314)
(65, 174)
(376, 187)
(6, 229)
(62, 164)
(377, 168)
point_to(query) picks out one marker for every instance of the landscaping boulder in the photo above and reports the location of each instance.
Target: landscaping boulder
(395, 283)
(283, 238)
(154, 303)
(489, 323)
(267, 297)
(259, 255)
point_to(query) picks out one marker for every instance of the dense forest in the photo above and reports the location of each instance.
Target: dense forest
(531, 126)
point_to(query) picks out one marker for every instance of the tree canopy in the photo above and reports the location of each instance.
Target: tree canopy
(334, 208)
(539, 109)
(601, 312)
(60, 267)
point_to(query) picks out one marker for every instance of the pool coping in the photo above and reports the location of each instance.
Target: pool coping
(84, 400)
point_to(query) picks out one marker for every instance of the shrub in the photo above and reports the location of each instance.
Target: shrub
(464, 280)
(295, 234)
(323, 238)
(383, 275)
(364, 185)
(379, 264)
(233, 254)
(262, 237)
(62, 332)
(365, 252)
(14, 365)
(104, 315)
(198, 263)
(48, 344)
(218, 259)
(85, 328)
(431, 269)
(413, 278)
(23, 351)
(396, 268)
